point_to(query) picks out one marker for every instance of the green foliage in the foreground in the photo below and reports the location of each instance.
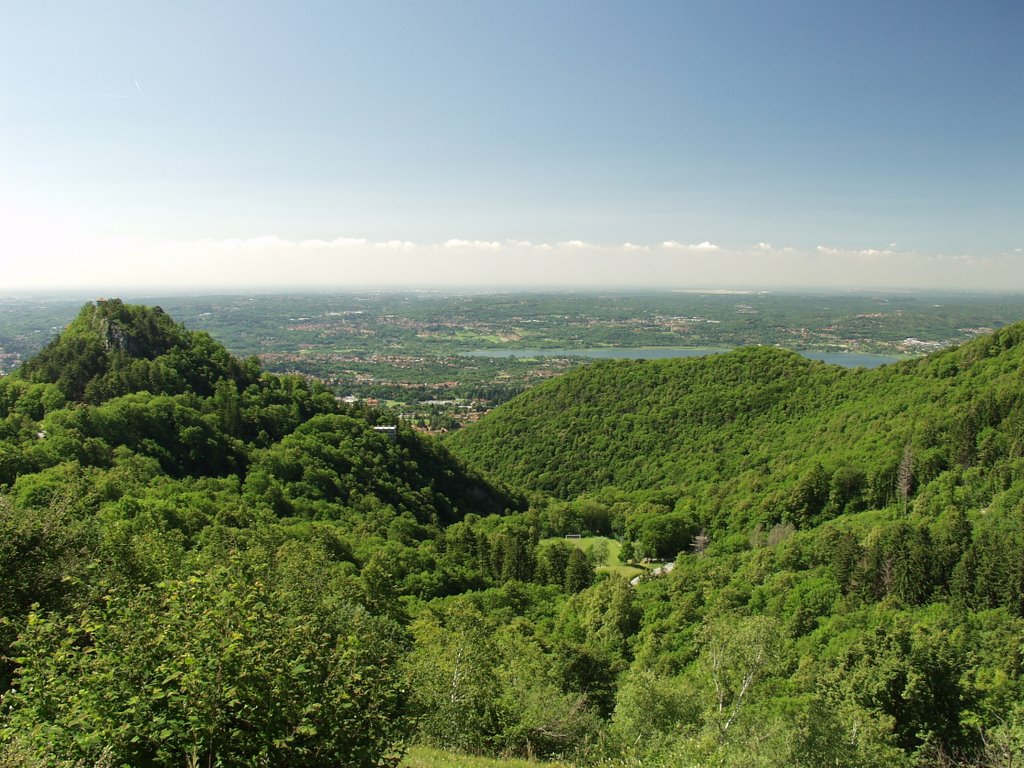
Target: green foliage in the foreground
(224, 666)
(231, 568)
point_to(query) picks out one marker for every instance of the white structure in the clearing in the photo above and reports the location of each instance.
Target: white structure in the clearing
(661, 570)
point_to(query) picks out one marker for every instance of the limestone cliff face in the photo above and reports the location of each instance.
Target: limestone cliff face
(123, 328)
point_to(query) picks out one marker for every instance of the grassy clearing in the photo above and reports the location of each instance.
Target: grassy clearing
(611, 562)
(427, 757)
(623, 570)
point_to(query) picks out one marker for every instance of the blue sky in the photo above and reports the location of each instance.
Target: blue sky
(673, 144)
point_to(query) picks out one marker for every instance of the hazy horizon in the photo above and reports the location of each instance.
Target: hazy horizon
(248, 146)
(156, 293)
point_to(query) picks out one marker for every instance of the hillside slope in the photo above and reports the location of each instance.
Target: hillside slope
(760, 435)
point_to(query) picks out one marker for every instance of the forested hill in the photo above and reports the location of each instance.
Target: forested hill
(126, 380)
(113, 348)
(762, 435)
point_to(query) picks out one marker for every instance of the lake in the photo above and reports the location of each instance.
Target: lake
(845, 359)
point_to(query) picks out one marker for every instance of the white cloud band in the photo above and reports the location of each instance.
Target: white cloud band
(267, 262)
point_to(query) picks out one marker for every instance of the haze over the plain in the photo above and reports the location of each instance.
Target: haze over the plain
(264, 145)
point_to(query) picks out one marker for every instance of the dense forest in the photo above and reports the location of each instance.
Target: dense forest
(202, 563)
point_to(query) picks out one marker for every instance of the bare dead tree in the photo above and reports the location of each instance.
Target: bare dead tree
(700, 543)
